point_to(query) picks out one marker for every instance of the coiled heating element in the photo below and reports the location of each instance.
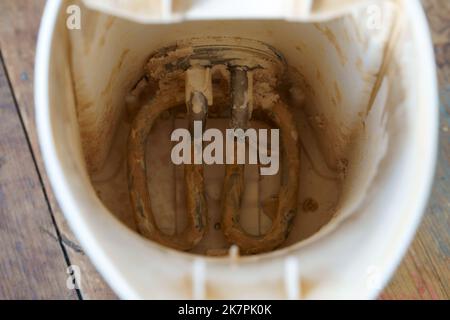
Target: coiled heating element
(182, 74)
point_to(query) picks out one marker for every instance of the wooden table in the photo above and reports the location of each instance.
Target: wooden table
(36, 243)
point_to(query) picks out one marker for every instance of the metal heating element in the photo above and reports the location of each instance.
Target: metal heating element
(183, 74)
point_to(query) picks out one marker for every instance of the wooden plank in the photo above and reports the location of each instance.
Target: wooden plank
(425, 271)
(19, 24)
(32, 265)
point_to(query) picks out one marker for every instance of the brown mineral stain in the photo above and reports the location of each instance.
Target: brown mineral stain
(90, 25)
(306, 287)
(342, 166)
(332, 38)
(318, 120)
(319, 77)
(115, 71)
(83, 105)
(181, 6)
(334, 102)
(310, 205)
(346, 35)
(301, 47)
(369, 77)
(359, 65)
(108, 24)
(337, 92)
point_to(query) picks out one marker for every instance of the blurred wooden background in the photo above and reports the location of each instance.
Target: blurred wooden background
(36, 243)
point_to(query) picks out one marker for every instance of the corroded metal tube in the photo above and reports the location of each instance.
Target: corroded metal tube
(193, 175)
(234, 182)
